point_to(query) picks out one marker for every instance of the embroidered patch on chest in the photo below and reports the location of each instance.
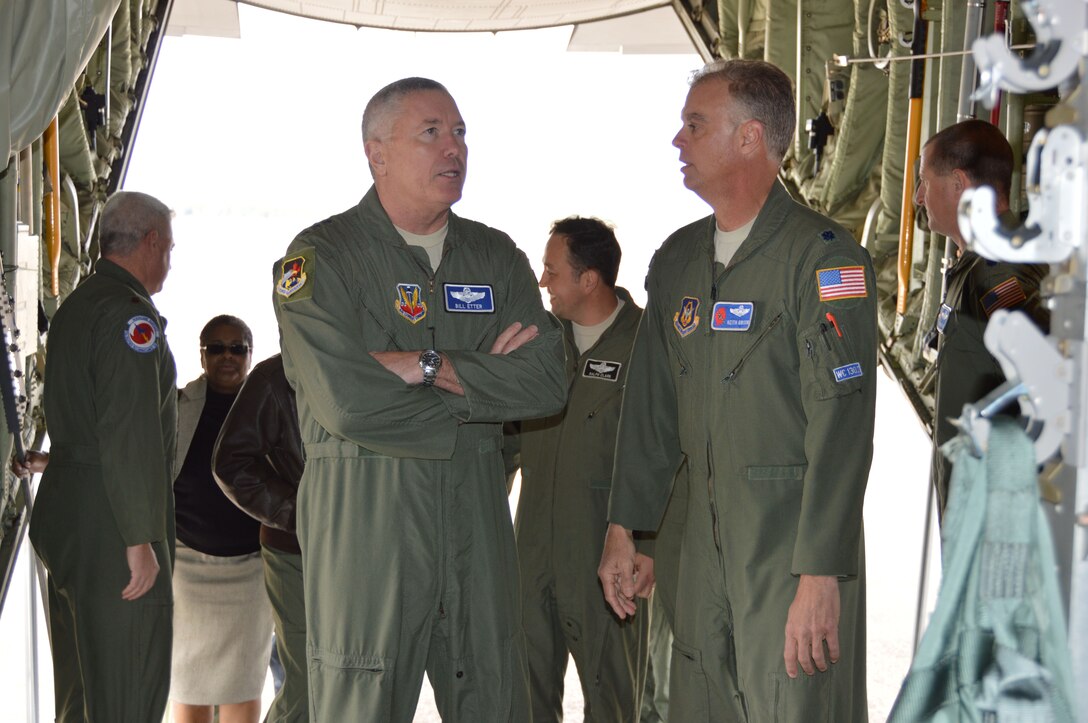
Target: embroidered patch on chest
(732, 316)
(601, 369)
(847, 371)
(469, 298)
(141, 334)
(841, 282)
(409, 303)
(686, 320)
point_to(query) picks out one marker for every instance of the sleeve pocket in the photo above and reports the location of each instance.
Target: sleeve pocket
(832, 366)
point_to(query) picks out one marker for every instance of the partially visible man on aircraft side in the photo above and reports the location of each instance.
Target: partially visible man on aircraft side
(103, 523)
(965, 155)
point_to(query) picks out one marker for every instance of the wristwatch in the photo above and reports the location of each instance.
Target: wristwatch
(430, 362)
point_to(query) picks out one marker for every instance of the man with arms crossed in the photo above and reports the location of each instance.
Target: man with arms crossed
(755, 362)
(103, 522)
(409, 335)
(566, 468)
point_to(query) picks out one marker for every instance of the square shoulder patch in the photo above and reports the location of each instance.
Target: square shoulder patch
(294, 276)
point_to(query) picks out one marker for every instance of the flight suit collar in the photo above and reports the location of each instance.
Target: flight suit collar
(108, 268)
(372, 215)
(964, 263)
(957, 276)
(626, 320)
(768, 221)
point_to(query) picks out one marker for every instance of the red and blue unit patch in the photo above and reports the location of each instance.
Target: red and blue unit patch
(292, 276)
(408, 303)
(1006, 295)
(141, 334)
(842, 282)
(686, 320)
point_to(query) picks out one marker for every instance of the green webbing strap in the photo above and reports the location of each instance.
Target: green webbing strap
(995, 649)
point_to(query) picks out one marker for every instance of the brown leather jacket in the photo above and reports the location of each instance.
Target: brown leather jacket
(258, 457)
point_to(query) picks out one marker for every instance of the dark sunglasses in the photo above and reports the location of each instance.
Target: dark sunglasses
(215, 349)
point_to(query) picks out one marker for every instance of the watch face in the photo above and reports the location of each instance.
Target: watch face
(429, 362)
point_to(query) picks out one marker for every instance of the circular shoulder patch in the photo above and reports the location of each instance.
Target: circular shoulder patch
(141, 334)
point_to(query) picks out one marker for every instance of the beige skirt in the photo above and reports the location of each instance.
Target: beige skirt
(222, 628)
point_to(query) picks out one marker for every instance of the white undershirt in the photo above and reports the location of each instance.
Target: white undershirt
(726, 243)
(586, 336)
(431, 243)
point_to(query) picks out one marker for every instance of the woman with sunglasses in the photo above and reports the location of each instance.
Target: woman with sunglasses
(222, 617)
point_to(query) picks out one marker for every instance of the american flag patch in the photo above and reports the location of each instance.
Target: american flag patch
(1006, 294)
(843, 282)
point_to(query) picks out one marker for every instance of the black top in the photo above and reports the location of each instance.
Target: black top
(207, 521)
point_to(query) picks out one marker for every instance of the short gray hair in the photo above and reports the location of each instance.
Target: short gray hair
(387, 101)
(762, 92)
(127, 217)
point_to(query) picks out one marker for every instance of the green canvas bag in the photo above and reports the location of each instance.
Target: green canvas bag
(995, 650)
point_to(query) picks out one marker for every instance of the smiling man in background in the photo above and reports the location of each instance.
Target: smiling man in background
(566, 467)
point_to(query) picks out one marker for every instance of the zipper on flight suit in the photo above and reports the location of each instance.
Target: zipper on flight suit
(713, 500)
(748, 352)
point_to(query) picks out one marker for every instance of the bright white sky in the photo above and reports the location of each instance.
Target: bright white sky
(253, 140)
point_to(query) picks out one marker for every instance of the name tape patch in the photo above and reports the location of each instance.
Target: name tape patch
(469, 298)
(942, 317)
(848, 371)
(601, 369)
(732, 316)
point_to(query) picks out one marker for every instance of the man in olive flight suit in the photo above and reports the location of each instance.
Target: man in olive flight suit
(755, 363)
(566, 467)
(103, 522)
(965, 155)
(409, 335)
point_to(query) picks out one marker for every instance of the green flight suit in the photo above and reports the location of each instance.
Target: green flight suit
(111, 406)
(762, 376)
(666, 554)
(966, 372)
(562, 516)
(408, 551)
